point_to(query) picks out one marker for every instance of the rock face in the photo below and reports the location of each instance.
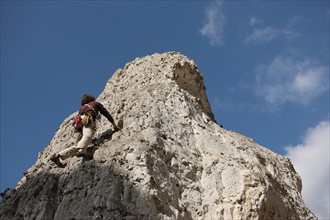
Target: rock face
(170, 161)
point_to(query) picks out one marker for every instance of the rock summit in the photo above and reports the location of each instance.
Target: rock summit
(171, 160)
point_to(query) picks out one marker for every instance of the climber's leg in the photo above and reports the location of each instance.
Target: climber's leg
(86, 139)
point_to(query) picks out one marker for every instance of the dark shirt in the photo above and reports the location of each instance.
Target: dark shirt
(93, 108)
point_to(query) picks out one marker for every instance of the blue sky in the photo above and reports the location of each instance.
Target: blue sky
(265, 66)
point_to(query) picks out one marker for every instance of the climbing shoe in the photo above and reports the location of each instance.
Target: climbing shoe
(56, 160)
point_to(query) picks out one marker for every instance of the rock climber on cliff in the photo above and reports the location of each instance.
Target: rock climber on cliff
(86, 117)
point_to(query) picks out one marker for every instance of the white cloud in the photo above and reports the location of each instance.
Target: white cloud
(288, 80)
(254, 21)
(214, 25)
(264, 34)
(268, 33)
(311, 161)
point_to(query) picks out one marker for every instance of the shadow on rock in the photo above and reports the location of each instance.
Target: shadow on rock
(92, 191)
(97, 142)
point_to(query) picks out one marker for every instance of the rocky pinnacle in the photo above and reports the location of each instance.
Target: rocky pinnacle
(171, 160)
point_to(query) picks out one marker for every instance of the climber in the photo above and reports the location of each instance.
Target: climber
(88, 112)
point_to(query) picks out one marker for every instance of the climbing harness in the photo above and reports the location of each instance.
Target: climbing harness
(84, 119)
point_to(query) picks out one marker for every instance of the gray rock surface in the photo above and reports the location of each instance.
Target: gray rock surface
(170, 161)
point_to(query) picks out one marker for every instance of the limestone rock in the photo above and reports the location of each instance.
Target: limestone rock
(170, 161)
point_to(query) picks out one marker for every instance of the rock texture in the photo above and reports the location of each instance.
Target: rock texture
(170, 161)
